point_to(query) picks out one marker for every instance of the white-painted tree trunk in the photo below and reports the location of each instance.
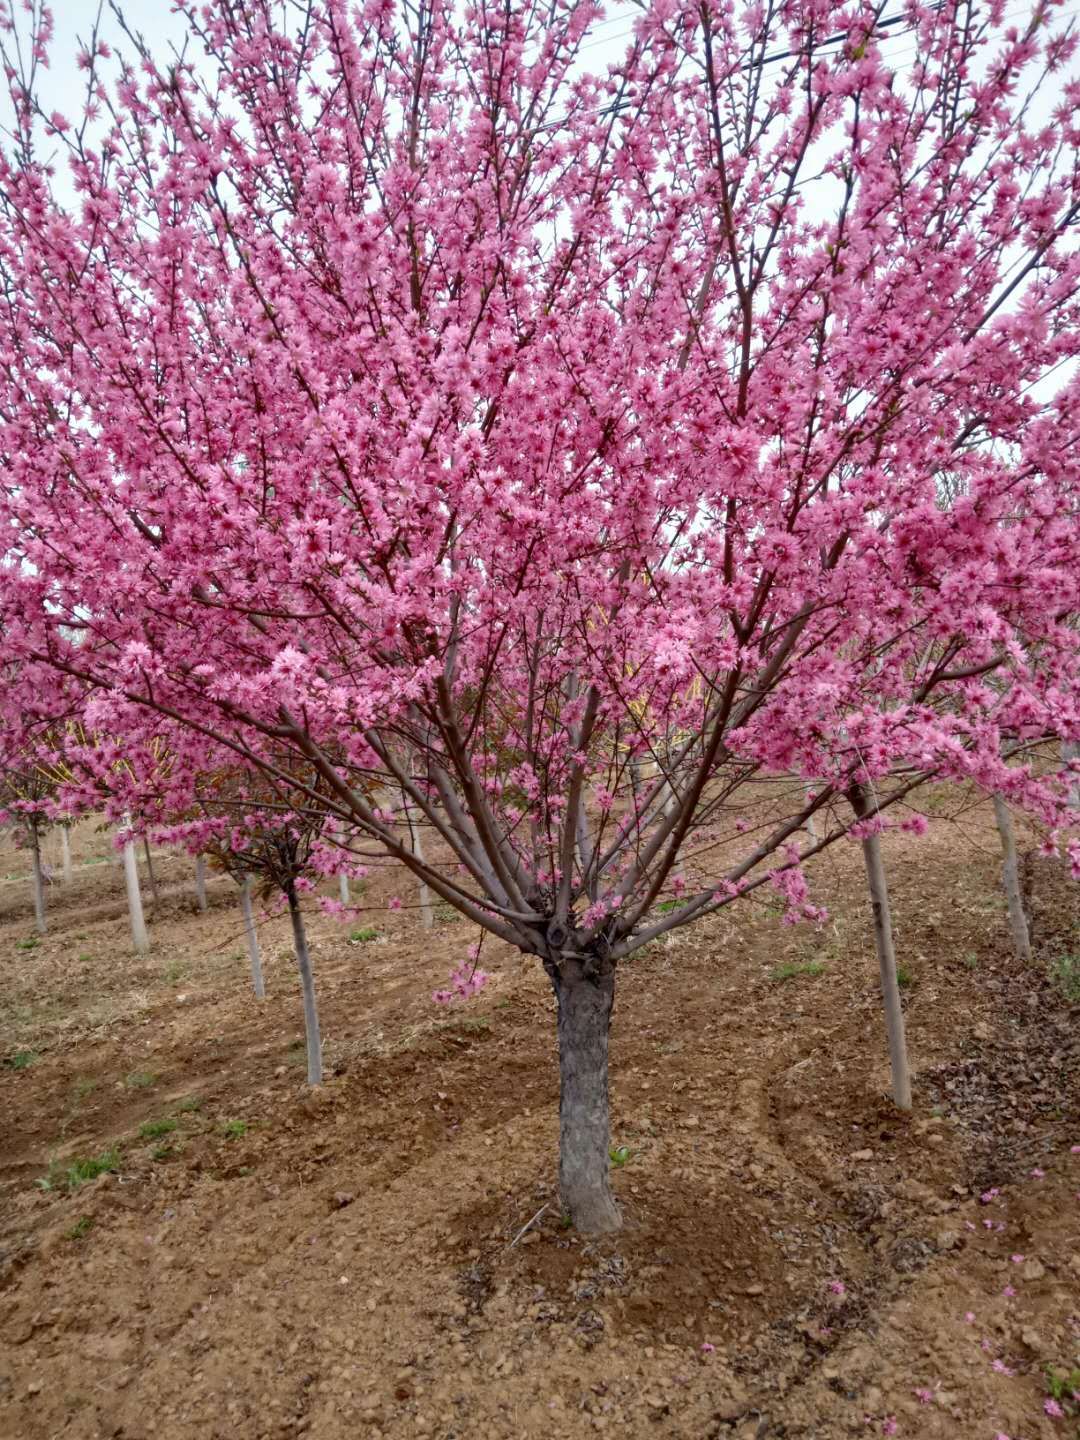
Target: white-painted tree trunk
(38, 879)
(200, 882)
(307, 984)
(1070, 750)
(810, 826)
(65, 855)
(890, 989)
(140, 939)
(1010, 874)
(251, 935)
(343, 885)
(883, 943)
(427, 910)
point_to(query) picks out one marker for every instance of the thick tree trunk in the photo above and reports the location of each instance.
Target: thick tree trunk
(200, 882)
(251, 935)
(65, 854)
(150, 870)
(1010, 872)
(883, 942)
(311, 1014)
(585, 1004)
(38, 879)
(139, 937)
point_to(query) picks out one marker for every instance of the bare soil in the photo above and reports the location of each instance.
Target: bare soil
(798, 1258)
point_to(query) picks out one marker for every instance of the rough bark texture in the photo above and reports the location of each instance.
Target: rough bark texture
(65, 854)
(200, 881)
(311, 1014)
(890, 989)
(38, 879)
(1010, 874)
(252, 939)
(140, 939)
(585, 1003)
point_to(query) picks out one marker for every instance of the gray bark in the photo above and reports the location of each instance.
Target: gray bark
(1010, 874)
(139, 937)
(307, 983)
(343, 884)
(65, 854)
(200, 881)
(427, 910)
(251, 935)
(883, 942)
(150, 870)
(1070, 750)
(38, 879)
(585, 1004)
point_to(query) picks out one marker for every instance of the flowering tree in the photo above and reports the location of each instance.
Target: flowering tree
(557, 450)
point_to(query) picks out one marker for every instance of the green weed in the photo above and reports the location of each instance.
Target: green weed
(189, 1105)
(22, 1059)
(1065, 973)
(154, 1129)
(363, 935)
(140, 1079)
(81, 1228)
(619, 1155)
(233, 1129)
(71, 1174)
(30, 943)
(790, 969)
(162, 1152)
(904, 978)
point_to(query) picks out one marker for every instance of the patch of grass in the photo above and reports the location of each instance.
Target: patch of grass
(189, 1105)
(666, 906)
(445, 914)
(30, 943)
(162, 1152)
(140, 1080)
(971, 960)
(233, 1129)
(81, 1228)
(85, 959)
(1063, 1386)
(1065, 973)
(363, 935)
(154, 1129)
(790, 969)
(619, 1155)
(904, 978)
(84, 1086)
(70, 1175)
(174, 972)
(22, 1059)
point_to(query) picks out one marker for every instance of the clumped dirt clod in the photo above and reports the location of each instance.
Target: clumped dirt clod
(798, 1258)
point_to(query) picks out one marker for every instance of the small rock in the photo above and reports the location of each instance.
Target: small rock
(343, 1198)
(1033, 1270)
(35, 1387)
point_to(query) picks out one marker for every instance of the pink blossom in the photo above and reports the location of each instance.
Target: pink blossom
(837, 1287)
(1053, 1409)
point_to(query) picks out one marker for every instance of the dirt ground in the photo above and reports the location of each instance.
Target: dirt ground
(799, 1260)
